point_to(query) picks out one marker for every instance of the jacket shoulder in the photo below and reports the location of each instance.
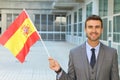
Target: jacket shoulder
(107, 47)
(77, 49)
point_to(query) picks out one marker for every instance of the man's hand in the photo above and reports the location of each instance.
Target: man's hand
(53, 64)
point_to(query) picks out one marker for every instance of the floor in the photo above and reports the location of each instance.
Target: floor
(36, 66)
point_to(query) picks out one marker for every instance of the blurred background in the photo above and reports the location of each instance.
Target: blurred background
(60, 23)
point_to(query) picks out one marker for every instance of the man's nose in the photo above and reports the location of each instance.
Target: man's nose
(93, 29)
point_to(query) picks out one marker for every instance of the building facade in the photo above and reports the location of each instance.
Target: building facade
(108, 10)
(63, 20)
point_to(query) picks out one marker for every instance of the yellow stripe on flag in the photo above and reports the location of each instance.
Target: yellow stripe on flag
(20, 37)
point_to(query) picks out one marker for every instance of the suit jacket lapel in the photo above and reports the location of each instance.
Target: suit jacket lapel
(85, 60)
(100, 58)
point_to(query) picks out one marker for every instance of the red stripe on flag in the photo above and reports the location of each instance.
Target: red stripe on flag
(30, 41)
(13, 28)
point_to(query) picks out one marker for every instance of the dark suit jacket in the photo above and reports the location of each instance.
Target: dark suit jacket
(107, 67)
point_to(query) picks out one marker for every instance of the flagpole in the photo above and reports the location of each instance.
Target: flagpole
(45, 47)
(48, 54)
(40, 37)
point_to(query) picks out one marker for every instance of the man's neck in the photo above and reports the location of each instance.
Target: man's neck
(93, 43)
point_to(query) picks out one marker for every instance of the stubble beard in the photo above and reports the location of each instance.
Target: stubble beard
(92, 39)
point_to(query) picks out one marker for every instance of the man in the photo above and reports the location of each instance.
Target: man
(92, 60)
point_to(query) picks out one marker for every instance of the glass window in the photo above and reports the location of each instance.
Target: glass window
(80, 15)
(80, 29)
(80, 23)
(75, 17)
(37, 21)
(69, 29)
(43, 36)
(62, 28)
(69, 19)
(50, 22)
(44, 22)
(57, 22)
(116, 6)
(75, 23)
(63, 23)
(116, 29)
(9, 19)
(104, 34)
(50, 36)
(89, 9)
(69, 25)
(62, 37)
(63, 20)
(75, 29)
(57, 37)
(51, 27)
(103, 7)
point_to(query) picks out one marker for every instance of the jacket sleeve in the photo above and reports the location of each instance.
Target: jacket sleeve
(115, 70)
(71, 72)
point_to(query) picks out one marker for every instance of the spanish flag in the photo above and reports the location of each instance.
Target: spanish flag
(20, 36)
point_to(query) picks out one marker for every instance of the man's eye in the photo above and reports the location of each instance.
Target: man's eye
(89, 26)
(97, 26)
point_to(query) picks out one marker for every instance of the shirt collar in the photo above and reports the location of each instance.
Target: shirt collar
(90, 47)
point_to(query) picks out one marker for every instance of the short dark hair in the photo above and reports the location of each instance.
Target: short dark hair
(94, 17)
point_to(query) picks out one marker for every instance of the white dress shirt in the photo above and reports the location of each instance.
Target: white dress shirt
(89, 52)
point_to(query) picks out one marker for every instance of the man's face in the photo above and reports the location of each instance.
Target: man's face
(93, 30)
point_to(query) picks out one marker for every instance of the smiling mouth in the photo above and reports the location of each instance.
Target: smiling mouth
(94, 34)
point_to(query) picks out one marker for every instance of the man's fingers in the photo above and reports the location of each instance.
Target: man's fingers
(51, 62)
